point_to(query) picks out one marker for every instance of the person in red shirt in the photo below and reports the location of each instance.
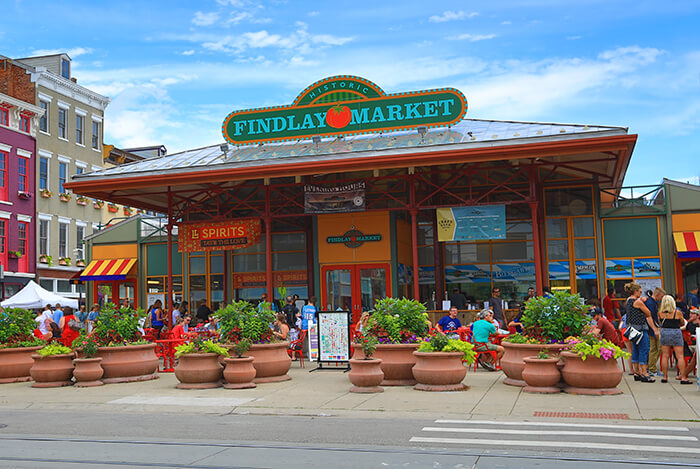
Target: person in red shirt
(605, 327)
(612, 311)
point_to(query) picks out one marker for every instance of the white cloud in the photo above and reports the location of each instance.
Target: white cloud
(187, 52)
(314, 13)
(506, 22)
(205, 19)
(72, 52)
(450, 15)
(472, 37)
(573, 38)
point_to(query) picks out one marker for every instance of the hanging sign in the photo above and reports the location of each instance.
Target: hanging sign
(345, 105)
(471, 223)
(335, 199)
(234, 234)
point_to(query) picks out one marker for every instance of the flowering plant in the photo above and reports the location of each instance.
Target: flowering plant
(592, 346)
(241, 320)
(398, 321)
(439, 342)
(118, 326)
(551, 319)
(368, 343)
(86, 344)
(518, 338)
(17, 328)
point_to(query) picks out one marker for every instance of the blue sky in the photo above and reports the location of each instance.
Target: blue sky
(175, 69)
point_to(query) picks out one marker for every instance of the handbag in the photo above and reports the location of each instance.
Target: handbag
(633, 334)
(75, 324)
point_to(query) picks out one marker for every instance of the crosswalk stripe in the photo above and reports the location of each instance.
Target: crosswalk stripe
(560, 424)
(556, 444)
(501, 431)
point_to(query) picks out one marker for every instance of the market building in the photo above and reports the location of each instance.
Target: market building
(352, 195)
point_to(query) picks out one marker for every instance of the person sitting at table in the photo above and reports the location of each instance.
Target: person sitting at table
(281, 329)
(482, 330)
(182, 327)
(604, 327)
(449, 324)
(213, 324)
(362, 323)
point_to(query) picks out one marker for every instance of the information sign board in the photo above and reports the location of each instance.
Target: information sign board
(333, 336)
(471, 223)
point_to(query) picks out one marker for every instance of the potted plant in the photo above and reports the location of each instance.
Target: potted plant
(126, 356)
(53, 366)
(440, 363)
(241, 320)
(398, 324)
(14, 254)
(81, 200)
(239, 371)
(45, 193)
(112, 208)
(590, 366)
(46, 259)
(17, 344)
(80, 263)
(88, 371)
(547, 321)
(366, 372)
(541, 373)
(198, 364)
(64, 197)
(127, 211)
(24, 195)
(97, 204)
(64, 261)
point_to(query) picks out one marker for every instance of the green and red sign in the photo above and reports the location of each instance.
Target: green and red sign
(345, 105)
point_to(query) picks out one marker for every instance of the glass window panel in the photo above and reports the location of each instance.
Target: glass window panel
(587, 288)
(558, 249)
(216, 264)
(426, 255)
(46, 284)
(63, 286)
(250, 294)
(583, 227)
(198, 265)
(425, 233)
(515, 251)
(569, 202)
(467, 253)
(556, 228)
(339, 289)
(216, 283)
(155, 284)
(584, 248)
(519, 230)
(372, 287)
(249, 263)
(198, 289)
(257, 247)
(288, 242)
(288, 260)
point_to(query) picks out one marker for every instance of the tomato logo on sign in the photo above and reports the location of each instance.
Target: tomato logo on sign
(338, 116)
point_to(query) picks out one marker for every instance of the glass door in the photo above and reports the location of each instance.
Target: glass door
(354, 288)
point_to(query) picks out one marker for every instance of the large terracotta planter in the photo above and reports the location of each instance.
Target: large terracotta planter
(15, 364)
(87, 372)
(271, 362)
(439, 371)
(541, 375)
(397, 363)
(590, 376)
(239, 373)
(512, 361)
(198, 371)
(366, 375)
(129, 363)
(53, 371)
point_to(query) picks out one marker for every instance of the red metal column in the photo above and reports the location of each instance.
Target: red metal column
(169, 296)
(439, 267)
(536, 241)
(308, 230)
(268, 244)
(414, 233)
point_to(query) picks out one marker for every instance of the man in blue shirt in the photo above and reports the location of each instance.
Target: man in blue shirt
(482, 330)
(57, 314)
(652, 303)
(450, 323)
(308, 313)
(691, 299)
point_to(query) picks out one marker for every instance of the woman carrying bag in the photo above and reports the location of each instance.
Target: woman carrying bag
(672, 322)
(639, 322)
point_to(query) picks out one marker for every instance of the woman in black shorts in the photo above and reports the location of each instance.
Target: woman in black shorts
(672, 321)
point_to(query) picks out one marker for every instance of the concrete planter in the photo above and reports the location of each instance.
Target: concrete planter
(15, 364)
(366, 375)
(512, 361)
(198, 371)
(593, 375)
(397, 363)
(129, 363)
(271, 362)
(439, 371)
(541, 375)
(53, 371)
(87, 372)
(239, 373)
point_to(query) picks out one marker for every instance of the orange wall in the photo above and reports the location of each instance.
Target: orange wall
(114, 251)
(686, 222)
(337, 224)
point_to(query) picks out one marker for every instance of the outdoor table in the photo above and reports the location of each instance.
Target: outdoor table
(168, 348)
(498, 338)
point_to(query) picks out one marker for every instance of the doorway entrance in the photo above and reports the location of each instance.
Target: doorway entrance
(354, 287)
(115, 291)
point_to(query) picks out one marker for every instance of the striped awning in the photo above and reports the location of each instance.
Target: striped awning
(687, 242)
(107, 269)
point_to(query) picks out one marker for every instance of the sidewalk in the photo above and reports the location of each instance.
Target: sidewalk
(326, 393)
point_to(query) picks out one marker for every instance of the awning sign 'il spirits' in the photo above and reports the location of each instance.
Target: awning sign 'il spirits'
(345, 105)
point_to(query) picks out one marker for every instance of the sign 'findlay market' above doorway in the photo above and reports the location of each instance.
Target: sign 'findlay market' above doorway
(345, 105)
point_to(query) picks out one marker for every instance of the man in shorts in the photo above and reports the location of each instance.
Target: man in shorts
(482, 329)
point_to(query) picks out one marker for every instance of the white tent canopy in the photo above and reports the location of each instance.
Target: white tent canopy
(33, 296)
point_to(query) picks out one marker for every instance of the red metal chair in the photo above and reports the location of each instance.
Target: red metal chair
(298, 343)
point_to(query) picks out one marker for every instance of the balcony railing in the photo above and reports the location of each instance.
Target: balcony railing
(632, 200)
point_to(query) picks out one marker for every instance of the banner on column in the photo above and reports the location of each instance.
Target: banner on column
(214, 236)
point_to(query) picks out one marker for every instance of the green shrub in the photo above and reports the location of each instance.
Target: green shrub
(553, 319)
(54, 349)
(241, 347)
(118, 326)
(397, 320)
(86, 344)
(439, 342)
(17, 328)
(200, 346)
(241, 320)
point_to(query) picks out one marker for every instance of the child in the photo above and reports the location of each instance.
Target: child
(294, 335)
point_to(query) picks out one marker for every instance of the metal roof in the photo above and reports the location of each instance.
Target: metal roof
(469, 133)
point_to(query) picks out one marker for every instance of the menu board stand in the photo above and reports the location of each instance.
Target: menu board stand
(333, 333)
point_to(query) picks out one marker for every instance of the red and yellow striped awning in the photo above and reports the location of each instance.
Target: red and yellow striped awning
(687, 241)
(107, 269)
